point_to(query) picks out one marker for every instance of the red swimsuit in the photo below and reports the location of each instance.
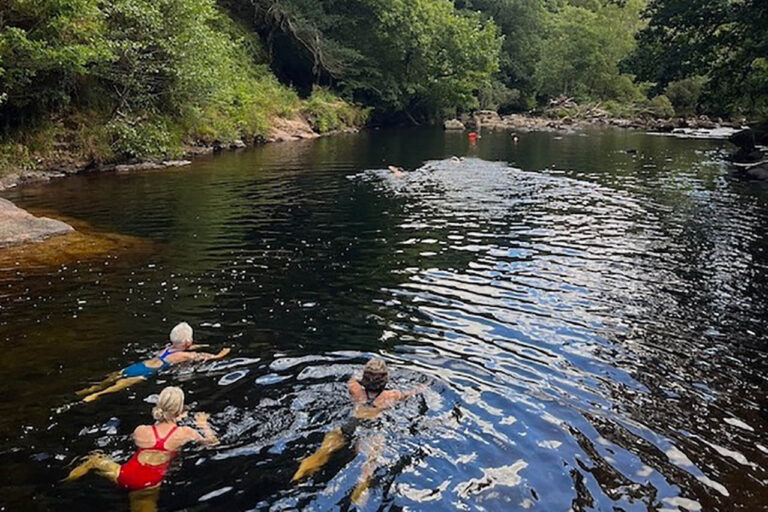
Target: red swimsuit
(135, 476)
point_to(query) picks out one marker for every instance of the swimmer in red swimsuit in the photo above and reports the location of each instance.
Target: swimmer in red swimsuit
(157, 444)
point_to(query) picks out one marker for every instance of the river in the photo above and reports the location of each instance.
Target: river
(588, 311)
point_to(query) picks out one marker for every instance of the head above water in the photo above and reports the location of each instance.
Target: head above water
(170, 405)
(181, 335)
(375, 375)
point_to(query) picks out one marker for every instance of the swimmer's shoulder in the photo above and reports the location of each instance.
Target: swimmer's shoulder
(356, 390)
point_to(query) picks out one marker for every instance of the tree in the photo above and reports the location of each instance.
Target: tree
(46, 48)
(521, 22)
(584, 43)
(723, 40)
(417, 58)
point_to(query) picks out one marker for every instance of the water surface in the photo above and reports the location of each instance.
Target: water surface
(591, 322)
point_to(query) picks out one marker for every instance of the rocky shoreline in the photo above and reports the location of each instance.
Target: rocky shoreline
(60, 166)
(491, 120)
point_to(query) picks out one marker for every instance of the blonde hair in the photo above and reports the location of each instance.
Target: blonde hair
(170, 404)
(181, 334)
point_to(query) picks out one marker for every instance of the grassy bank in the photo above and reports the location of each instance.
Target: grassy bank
(83, 138)
(92, 83)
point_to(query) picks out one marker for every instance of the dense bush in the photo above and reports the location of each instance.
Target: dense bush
(661, 107)
(685, 94)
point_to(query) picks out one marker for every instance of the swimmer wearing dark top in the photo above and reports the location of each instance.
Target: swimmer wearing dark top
(180, 351)
(370, 398)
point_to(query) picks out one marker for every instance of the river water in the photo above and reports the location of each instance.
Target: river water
(588, 311)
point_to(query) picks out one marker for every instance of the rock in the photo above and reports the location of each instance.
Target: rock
(141, 166)
(454, 124)
(757, 173)
(176, 163)
(18, 226)
(237, 144)
(745, 139)
(487, 119)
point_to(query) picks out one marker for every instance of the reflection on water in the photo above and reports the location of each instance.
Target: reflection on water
(590, 321)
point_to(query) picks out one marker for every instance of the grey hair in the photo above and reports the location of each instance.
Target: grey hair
(170, 404)
(181, 334)
(375, 375)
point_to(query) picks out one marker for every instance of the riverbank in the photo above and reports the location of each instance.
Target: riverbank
(529, 122)
(67, 161)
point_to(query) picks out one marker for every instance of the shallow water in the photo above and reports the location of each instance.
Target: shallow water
(591, 323)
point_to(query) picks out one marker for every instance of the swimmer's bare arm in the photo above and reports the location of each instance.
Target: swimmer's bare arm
(396, 396)
(193, 357)
(356, 390)
(208, 436)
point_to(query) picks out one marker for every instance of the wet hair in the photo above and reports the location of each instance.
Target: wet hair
(170, 404)
(181, 334)
(375, 375)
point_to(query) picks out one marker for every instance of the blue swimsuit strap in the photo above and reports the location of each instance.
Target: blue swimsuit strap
(165, 354)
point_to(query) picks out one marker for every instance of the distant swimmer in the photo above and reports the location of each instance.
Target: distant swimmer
(156, 446)
(397, 171)
(180, 351)
(370, 398)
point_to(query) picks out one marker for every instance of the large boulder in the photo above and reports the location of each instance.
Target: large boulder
(744, 139)
(453, 124)
(18, 226)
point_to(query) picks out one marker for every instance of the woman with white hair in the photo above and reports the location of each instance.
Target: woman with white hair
(156, 446)
(178, 352)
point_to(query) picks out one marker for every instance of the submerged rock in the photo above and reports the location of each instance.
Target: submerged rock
(18, 226)
(757, 173)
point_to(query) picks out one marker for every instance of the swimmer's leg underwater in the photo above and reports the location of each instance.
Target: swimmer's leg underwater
(108, 381)
(333, 441)
(98, 462)
(114, 388)
(144, 500)
(371, 448)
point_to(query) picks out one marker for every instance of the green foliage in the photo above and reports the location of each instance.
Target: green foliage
(496, 95)
(685, 94)
(435, 58)
(581, 52)
(661, 107)
(723, 40)
(522, 24)
(46, 48)
(418, 57)
(326, 112)
(142, 138)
